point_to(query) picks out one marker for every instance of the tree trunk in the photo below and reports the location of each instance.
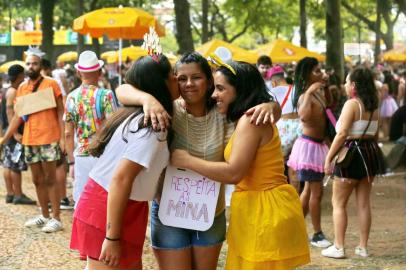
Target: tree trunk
(205, 21)
(303, 24)
(335, 47)
(377, 33)
(79, 12)
(183, 26)
(47, 14)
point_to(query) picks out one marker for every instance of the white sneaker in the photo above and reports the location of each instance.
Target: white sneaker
(360, 251)
(52, 225)
(333, 252)
(38, 221)
(319, 240)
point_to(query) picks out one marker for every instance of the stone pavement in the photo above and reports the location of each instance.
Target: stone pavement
(29, 248)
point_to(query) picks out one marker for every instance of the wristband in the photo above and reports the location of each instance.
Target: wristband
(112, 239)
(71, 163)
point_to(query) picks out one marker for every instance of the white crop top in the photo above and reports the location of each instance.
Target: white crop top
(359, 126)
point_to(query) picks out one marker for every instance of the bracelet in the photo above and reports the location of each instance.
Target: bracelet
(112, 239)
(71, 163)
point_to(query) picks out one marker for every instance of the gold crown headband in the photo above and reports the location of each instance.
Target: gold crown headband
(216, 62)
(152, 44)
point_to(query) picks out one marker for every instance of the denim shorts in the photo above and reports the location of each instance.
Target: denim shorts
(167, 237)
(309, 176)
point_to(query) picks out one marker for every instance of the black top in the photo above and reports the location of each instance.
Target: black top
(398, 124)
(4, 120)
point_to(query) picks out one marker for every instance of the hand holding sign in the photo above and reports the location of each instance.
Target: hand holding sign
(179, 158)
(188, 200)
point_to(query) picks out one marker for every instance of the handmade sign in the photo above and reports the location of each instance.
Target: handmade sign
(39, 101)
(188, 200)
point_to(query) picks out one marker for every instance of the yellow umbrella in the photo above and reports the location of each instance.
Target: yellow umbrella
(238, 54)
(117, 23)
(282, 51)
(4, 67)
(68, 56)
(131, 53)
(395, 55)
(109, 56)
(172, 58)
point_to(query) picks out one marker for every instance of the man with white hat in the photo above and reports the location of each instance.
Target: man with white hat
(42, 141)
(86, 109)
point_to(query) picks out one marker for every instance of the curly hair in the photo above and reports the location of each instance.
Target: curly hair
(302, 74)
(363, 78)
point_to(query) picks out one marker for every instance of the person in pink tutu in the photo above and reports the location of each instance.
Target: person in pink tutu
(309, 150)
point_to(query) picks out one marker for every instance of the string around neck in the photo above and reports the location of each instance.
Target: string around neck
(205, 134)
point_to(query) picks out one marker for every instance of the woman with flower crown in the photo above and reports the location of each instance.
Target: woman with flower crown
(110, 220)
(201, 130)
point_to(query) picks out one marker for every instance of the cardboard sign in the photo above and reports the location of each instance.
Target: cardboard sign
(188, 200)
(35, 102)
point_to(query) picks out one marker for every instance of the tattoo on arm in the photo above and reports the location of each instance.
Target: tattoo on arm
(108, 226)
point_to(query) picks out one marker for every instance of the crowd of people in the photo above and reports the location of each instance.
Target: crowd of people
(272, 132)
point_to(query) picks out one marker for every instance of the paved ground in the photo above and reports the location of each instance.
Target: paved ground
(30, 249)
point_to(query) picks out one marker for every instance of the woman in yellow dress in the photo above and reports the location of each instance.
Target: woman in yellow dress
(267, 228)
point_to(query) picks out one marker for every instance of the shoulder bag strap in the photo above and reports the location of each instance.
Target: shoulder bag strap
(286, 97)
(37, 84)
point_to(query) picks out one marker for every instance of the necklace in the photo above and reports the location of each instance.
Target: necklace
(187, 134)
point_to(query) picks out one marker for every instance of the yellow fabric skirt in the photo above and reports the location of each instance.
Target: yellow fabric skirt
(267, 230)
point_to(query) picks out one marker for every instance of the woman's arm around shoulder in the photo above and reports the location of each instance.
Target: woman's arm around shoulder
(247, 139)
(129, 95)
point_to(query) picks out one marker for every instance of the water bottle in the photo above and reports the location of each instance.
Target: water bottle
(15, 156)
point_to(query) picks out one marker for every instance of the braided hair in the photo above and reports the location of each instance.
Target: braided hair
(302, 74)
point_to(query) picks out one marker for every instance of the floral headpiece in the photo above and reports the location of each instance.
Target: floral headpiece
(34, 50)
(215, 61)
(152, 44)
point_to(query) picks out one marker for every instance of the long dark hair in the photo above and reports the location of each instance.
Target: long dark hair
(249, 86)
(145, 74)
(195, 57)
(365, 87)
(302, 74)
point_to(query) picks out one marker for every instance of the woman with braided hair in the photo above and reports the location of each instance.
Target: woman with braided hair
(309, 151)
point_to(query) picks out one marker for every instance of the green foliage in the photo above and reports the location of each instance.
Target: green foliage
(351, 25)
(169, 44)
(247, 22)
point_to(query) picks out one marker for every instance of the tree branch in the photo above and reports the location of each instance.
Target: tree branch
(358, 15)
(247, 24)
(402, 5)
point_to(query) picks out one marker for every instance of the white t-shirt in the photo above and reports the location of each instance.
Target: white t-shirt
(280, 92)
(144, 147)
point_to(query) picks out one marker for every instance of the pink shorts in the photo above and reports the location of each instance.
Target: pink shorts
(89, 226)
